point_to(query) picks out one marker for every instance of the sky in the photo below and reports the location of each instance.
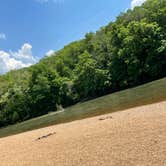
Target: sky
(32, 29)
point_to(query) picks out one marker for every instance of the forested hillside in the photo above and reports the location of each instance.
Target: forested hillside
(126, 53)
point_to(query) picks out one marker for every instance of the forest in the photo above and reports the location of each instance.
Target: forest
(126, 53)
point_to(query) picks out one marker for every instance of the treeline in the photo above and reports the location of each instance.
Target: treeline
(126, 53)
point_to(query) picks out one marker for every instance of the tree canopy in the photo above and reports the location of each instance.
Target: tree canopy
(125, 53)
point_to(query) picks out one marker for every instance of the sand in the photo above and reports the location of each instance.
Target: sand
(134, 137)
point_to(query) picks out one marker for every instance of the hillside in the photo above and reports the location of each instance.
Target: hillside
(126, 53)
(135, 136)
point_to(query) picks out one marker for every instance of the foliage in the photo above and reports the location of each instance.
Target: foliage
(125, 53)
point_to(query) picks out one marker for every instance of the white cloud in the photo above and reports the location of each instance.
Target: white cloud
(50, 53)
(135, 3)
(16, 60)
(2, 36)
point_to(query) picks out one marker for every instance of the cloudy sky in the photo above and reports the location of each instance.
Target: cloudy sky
(31, 29)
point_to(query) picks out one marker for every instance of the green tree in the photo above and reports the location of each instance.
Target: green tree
(44, 91)
(89, 81)
(15, 117)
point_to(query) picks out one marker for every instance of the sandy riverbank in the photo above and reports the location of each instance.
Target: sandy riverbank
(133, 137)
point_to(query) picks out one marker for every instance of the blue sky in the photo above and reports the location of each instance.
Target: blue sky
(31, 28)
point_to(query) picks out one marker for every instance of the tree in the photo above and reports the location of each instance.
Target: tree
(89, 81)
(136, 57)
(44, 91)
(15, 117)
